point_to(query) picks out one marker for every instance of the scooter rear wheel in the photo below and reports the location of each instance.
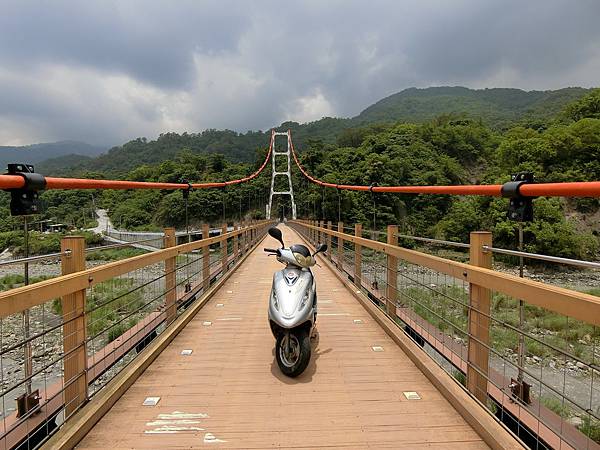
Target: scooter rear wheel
(293, 362)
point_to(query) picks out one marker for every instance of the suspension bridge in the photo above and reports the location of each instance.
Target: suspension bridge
(172, 348)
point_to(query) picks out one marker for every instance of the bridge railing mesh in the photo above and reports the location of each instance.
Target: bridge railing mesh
(535, 367)
(62, 340)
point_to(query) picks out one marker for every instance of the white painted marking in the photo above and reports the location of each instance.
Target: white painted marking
(186, 352)
(182, 415)
(151, 401)
(210, 438)
(167, 429)
(171, 422)
(230, 292)
(220, 305)
(231, 318)
(357, 321)
(411, 395)
(325, 302)
(207, 323)
(332, 314)
(377, 348)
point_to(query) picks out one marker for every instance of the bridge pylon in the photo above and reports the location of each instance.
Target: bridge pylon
(287, 173)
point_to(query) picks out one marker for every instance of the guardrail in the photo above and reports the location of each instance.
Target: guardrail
(89, 324)
(538, 373)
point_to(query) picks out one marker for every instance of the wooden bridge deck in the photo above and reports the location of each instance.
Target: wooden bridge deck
(229, 392)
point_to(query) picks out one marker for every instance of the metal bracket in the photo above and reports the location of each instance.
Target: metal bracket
(28, 402)
(520, 208)
(186, 192)
(520, 390)
(24, 201)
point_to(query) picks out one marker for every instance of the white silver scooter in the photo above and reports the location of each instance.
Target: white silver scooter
(293, 305)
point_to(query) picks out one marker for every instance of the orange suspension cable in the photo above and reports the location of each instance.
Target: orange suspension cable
(576, 189)
(18, 182)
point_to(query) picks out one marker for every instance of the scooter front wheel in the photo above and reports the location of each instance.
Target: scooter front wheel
(292, 351)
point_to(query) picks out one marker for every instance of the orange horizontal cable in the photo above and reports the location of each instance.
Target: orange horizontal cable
(17, 182)
(11, 182)
(577, 189)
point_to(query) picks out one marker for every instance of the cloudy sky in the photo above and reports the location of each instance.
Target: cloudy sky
(108, 71)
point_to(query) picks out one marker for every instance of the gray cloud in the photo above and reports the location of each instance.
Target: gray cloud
(108, 71)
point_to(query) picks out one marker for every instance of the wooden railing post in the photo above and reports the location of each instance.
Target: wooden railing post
(319, 233)
(170, 277)
(357, 256)
(340, 258)
(74, 328)
(224, 249)
(479, 322)
(205, 258)
(392, 273)
(328, 239)
(236, 239)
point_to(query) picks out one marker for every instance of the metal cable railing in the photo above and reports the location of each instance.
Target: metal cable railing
(558, 368)
(120, 316)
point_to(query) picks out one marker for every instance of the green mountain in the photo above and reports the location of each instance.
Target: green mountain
(497, 108)
(33, 154)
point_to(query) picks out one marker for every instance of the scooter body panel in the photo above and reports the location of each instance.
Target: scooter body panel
(292, 302)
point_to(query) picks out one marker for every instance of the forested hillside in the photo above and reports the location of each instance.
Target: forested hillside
(33, 154)
(496, 108)
(449, 149)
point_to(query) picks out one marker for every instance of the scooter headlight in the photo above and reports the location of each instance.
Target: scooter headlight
(304, 300)
(275, 302)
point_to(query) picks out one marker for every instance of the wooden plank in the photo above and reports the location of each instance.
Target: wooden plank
(224, 249)
(236, 240)
(170, 276)
(580, 306)
(340, 255)
(479, 320)
(357, 255)
(328, 239)
(205, 258)
(74, 328)
(392, 272)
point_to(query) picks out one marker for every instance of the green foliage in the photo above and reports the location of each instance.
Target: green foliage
(41, 243)
(112, 307)
(152, 209)
(114, 254)
(8, 282)
(587, 106)
(556, 405)
(590, 427)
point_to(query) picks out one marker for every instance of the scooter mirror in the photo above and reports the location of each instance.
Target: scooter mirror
(321, 248)
(276, 233)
